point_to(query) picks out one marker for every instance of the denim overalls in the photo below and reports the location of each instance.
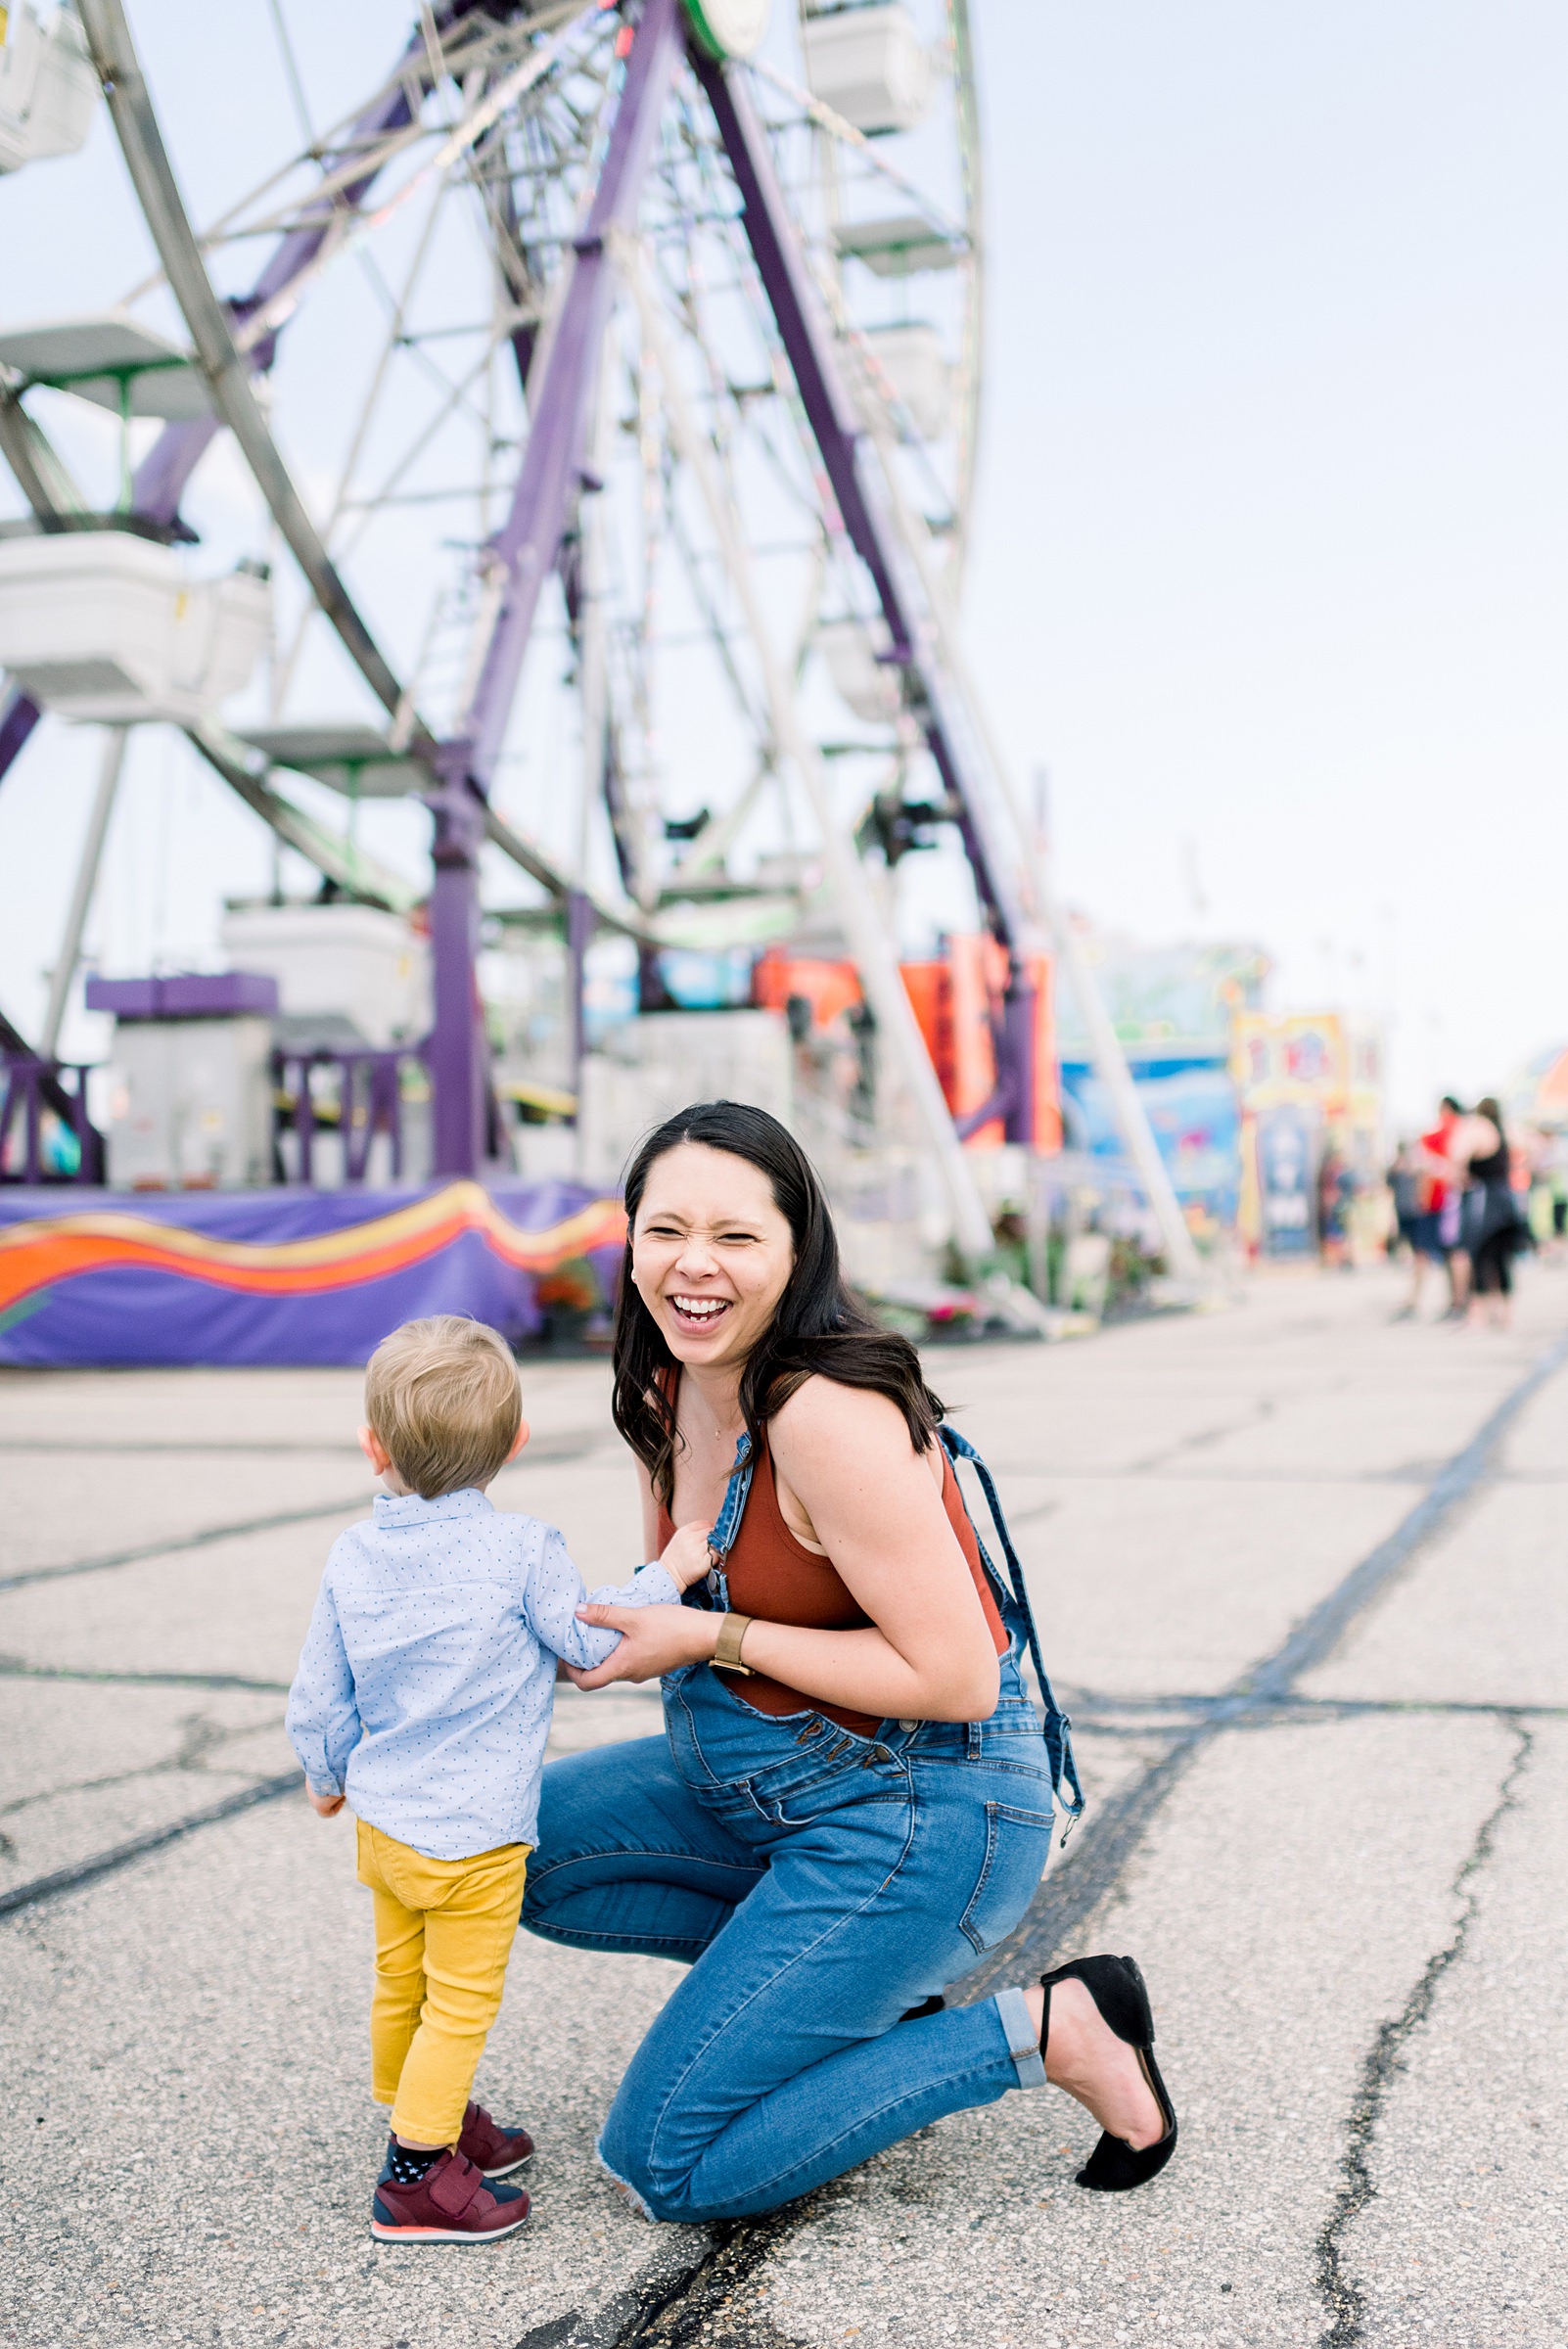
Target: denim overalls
(820, 1885)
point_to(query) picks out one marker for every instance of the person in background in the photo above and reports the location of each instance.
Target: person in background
(1336, 1188)
(1554, 1175)
(1439, 1241)
(1495, 1228)
(1430, 1176)
(1407, 1182)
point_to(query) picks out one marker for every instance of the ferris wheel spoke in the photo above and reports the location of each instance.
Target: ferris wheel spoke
(713, 845)
(342, 504)
(814, 110)
(715, 629)
(348, 227)
(291, 71)
(533, 532)
(395, 323)
(368, 509)
(361, 145)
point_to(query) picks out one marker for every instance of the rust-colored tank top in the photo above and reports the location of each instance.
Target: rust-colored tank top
(776, 1578)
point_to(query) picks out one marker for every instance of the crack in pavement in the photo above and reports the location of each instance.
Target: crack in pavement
(670, 2305)
(546, 1452)
(17, 1667)
(1101, 1711)
(181, 1543)
(1105, 1714)
(1263, 1407)
(1343, 2298)
(1066, 1901)
(198, 1739)
(120, 1854)
(130, 1448)
(1408, 1472)
(572, 1445)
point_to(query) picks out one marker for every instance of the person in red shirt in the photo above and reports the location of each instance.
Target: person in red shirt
(1435, 1234)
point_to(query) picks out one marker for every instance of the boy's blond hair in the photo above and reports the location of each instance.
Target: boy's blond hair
(441, 1398)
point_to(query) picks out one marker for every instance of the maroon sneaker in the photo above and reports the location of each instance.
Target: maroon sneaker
(451, 2205)
(494, 2150)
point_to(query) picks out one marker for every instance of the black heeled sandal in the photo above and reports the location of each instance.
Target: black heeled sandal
(1117, 1990)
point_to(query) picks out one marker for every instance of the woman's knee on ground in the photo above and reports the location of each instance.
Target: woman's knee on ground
(657, 2147)
(661, 2190)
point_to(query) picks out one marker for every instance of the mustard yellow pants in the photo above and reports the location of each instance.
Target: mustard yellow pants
(445, 1930)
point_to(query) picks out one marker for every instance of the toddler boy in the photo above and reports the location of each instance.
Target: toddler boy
(424, 1695)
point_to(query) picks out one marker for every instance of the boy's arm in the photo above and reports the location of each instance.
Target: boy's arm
(323, 1718)
(555, 1591)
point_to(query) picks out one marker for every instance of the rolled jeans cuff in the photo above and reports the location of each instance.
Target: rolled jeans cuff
(1023, 2040)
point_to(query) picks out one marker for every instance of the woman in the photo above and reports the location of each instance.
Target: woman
(852, 1801)
(1494, 1226)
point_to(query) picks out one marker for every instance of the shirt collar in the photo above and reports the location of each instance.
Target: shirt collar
(410, 1509)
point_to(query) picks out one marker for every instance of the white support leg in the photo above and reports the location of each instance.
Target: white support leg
(81, 896)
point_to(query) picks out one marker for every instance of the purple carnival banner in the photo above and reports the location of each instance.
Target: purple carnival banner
(288, 1276)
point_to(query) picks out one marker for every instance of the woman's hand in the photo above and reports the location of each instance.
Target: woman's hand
(654, 1641)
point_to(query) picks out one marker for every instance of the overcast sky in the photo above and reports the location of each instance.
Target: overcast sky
(1271, 569)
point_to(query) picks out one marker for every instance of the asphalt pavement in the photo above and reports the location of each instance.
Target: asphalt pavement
(1300, 1574)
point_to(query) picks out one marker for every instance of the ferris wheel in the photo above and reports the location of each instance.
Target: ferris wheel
(637, 345)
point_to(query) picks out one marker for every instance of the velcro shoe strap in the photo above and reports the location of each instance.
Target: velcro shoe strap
(453, 2188)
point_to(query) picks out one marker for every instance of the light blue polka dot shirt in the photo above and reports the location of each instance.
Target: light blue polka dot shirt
(428, 1675)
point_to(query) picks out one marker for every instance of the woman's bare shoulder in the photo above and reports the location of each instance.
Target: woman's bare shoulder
(844, 1461)
(823, 1416)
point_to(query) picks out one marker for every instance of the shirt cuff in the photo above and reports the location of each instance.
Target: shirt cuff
(656, 1587)
(324, 1786)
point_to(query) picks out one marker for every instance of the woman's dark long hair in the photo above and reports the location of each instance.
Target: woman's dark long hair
(820, 1327)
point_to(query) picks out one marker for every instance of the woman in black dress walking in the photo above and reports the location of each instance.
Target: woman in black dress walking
(1494, 1228)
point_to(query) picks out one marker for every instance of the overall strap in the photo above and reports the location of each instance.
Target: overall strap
(1058, 1728)
(726, 1525)
(713, 1592)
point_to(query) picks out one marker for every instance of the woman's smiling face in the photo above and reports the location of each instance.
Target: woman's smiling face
(711, 1253)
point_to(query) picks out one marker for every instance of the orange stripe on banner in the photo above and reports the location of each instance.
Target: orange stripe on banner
(54, 1248)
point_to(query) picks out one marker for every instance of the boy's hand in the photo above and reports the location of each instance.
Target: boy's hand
(325, 1806)
(685, 1554)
